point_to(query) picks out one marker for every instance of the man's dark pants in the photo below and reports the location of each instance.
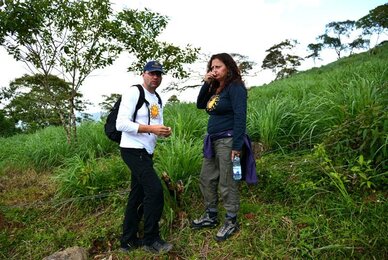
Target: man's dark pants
(147, 192)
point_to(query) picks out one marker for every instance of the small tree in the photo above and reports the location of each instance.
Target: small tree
(108, 102)
(315, 49)
(375, 22)
(68, 38)
(173, 99)
(72, 38)
(243, 62)
(7, 125)
(34, 104)
(334, 33)
(358, 43)
(137, 32)
(280, 61)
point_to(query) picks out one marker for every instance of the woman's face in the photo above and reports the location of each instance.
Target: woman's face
(219, 70)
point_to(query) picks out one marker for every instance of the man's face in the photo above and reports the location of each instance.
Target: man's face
(152, 79)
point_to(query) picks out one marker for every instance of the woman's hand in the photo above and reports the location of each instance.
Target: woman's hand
(235, 153)
(208, 77)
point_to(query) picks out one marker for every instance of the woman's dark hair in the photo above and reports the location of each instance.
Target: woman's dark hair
(234, 73)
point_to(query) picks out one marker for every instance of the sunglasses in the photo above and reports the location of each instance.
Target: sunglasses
(154, 73)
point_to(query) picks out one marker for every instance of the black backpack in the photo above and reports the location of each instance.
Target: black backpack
(110, 125)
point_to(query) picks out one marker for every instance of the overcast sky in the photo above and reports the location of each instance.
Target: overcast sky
(247, 27)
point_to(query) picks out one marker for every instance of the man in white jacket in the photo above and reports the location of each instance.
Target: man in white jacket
(137, 146)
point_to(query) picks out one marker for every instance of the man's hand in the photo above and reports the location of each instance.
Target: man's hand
(159, 130)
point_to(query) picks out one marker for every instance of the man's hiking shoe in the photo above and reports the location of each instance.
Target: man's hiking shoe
(208, 220)
(230, 226)
(158, 246)
(128, 247)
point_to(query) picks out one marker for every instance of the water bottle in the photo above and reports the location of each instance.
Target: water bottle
(236, 168)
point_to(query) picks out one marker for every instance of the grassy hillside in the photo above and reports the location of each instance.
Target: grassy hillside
(321, 146)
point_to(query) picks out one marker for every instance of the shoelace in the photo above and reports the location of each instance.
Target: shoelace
(226, 225)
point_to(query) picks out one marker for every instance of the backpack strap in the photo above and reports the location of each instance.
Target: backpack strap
(142, 100)
(159, 99)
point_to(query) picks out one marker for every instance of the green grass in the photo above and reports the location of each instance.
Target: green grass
(321, 227)
(322, 176)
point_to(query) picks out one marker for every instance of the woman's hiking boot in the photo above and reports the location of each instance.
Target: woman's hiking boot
(229, 228)
(207, 220)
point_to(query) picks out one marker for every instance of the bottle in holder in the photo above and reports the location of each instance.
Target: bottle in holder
(236, 168)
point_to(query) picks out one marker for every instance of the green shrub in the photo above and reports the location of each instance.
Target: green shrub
(91, 179)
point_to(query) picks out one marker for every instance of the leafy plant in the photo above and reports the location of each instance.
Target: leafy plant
(92, 177)
(365, 176)
(337, 179)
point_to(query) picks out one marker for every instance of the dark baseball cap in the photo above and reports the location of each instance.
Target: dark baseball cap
(153, 66)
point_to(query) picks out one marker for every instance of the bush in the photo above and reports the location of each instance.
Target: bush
(91, 179)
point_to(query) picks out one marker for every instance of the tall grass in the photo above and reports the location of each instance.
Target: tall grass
(180, 156)
(91, 136)
(266, 122)
(47, 149)
(42, 150)
(185, 119)
(344, 96)
(11, 155)
(95, 177)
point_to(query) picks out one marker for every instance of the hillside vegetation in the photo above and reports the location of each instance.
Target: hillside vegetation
(320, 139)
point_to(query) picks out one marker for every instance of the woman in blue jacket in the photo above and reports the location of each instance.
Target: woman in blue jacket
(224, 97)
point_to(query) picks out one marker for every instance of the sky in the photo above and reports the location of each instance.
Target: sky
(247, 27)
